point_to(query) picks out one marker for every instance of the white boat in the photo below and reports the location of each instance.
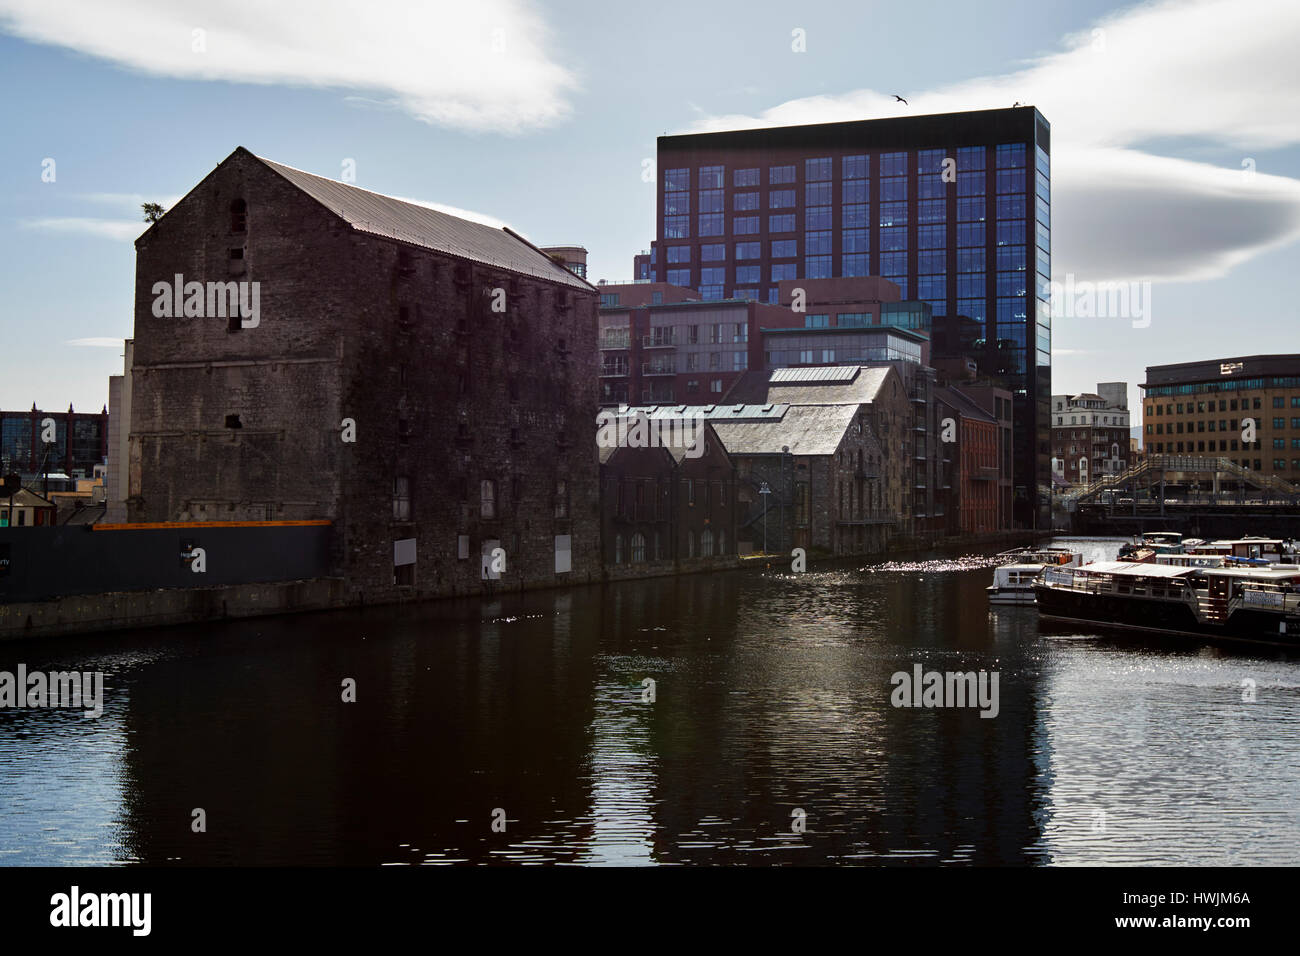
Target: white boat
(1013, 580)
(1014, 583)
(1250, 550)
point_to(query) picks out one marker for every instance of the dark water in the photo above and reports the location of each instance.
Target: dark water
(772, 694)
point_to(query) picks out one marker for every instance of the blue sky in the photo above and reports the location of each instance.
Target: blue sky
(541, 114)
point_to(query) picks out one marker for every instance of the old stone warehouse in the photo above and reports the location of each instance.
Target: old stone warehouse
(425, 383)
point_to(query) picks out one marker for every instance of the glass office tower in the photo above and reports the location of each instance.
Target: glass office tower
(955, 208)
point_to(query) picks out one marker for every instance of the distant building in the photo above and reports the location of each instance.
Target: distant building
(978, 466)
(425, 383)
(87, 500)
(953, 208)
(642, 266)
(1090, 434)
(996, 401)
(573, 258)
(27, 509)
(667, 506)
(80, 442)
(660, 344)
(831, 446)
(119, 433)
(1202, 409)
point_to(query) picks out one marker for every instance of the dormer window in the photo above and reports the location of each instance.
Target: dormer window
(239, 216)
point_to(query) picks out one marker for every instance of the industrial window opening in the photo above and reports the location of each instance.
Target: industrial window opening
(232, 421)
(239, 216)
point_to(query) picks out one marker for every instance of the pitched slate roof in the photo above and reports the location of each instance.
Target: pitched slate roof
(805, 429)
(382, 215)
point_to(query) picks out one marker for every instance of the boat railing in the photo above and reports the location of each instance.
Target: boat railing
(1273, 599)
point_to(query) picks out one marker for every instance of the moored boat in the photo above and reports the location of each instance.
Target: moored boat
(1149, 544)
(1013, 583)
(1256, 604)
(1048, 556)
(1013, 580)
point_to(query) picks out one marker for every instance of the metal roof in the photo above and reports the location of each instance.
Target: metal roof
(419, 225)
(1141, 570)
(821, 373)
(1135, 569)
(813, 386)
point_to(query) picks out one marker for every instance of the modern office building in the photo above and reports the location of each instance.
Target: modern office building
(1202, 408)
(953, 208)
(78, 442)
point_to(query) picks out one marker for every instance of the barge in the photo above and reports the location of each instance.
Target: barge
(1254, 604)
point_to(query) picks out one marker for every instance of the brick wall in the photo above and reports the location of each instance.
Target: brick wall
(444, 392)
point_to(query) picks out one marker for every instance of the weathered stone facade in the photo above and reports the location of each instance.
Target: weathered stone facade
(664, 509)
(833, 450)
(404, 391)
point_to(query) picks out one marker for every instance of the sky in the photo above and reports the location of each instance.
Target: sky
(1175, 139)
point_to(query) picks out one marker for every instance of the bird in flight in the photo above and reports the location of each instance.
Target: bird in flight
(900, 99)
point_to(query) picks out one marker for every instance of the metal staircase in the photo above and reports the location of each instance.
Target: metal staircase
(1164, 464)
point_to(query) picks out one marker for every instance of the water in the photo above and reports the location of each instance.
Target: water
(771, 696)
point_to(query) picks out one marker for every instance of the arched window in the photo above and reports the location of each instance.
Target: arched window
(690, 544)
(722, 542)
(638, 548)
(239, 216)
(706, 543)
(618, 549)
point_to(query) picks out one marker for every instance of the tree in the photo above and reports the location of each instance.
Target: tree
(152, 211)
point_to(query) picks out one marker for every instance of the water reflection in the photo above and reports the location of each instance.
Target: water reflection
(771, 696)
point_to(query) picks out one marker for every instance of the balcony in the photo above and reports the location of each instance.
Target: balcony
(614, 342)
(658, 368)
(657, 342)
(613, 371)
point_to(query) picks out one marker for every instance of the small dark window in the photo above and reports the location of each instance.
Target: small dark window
(239, 216)
(232, 421)
(237, 252)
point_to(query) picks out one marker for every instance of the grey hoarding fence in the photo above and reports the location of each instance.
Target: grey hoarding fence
(37, 564)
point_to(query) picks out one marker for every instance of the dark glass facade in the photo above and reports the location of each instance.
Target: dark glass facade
(22, 450)
(955, 208)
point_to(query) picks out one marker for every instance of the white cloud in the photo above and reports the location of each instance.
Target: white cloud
(121, 230)
(476, 66)
(1208, 72)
